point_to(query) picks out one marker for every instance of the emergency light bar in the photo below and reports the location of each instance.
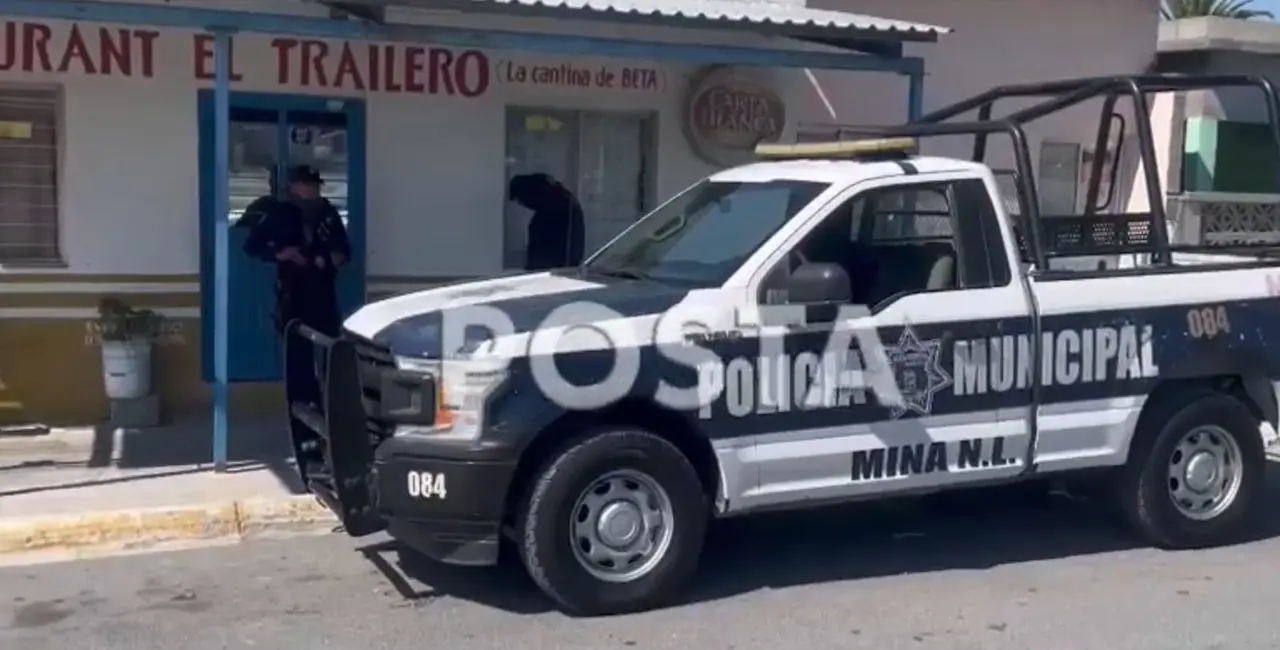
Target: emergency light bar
(839, 149)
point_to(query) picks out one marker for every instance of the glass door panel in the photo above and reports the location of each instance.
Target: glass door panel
(253, 154)
(320, 140)
(613, 183)
(538, 141)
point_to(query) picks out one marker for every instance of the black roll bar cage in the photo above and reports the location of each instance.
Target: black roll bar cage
(1063, 94)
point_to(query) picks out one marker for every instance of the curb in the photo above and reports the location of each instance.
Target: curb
(133, 529)
(52, 443)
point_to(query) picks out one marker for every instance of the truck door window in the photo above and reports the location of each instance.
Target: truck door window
(984, 261)
(902, 240)
(703, 235)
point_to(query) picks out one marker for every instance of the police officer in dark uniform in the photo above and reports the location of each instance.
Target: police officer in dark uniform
(303, 235)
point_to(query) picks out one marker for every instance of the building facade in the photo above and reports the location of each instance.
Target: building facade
(1222, 171)
(105, 130)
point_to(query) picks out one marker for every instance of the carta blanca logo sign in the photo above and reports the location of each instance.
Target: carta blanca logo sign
(768, 380)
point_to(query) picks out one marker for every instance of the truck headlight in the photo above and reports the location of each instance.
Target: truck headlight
(463, 387)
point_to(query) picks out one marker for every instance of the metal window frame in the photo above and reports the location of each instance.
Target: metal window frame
(58, 90)
(650, 125)
(1077, 170)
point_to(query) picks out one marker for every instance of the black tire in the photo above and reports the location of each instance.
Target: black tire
(545, 533)
(1142, 485)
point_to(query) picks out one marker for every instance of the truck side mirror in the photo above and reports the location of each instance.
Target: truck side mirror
(818, 284)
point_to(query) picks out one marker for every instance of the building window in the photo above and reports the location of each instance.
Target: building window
(1234, 157)
(605, 158)
(29, 175)
(1059, 177)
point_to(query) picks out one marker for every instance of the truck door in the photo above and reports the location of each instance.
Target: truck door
(931, 269)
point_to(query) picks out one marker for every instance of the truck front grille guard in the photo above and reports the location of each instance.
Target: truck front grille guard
(334, 441)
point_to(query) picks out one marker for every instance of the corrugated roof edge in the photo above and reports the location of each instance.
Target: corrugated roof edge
(833, 19)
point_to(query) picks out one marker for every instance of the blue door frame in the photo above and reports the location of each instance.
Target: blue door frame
(352, 283)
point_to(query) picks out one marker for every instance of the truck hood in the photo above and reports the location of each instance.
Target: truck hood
(412, 325)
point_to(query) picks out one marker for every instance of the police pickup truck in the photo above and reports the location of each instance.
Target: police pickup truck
(834, 322)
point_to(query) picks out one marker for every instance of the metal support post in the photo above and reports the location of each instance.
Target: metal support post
(221, 244)
(915, 95)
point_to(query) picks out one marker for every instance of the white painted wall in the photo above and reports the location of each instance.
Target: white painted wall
(436, 196)
(1001, 42)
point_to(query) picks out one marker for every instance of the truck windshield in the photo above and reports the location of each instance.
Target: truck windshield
(703, 235)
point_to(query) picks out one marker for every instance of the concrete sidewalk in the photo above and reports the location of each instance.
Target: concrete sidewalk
(94, 490)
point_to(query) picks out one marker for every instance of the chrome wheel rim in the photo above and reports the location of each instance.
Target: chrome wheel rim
(621, 526)
(1205, 473)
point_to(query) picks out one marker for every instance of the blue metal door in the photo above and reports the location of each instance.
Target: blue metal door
(273, 132)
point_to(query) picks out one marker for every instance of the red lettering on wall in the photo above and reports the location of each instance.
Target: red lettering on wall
(32, 47)
(415, 64)
(116, 52)
(35, 43)
(441, 71)
(204, 58)
(348, 73)
(472, 73)
(381, 68)
(77, 50)
(284, 58)
(569, 75)
(393, 80)
(147, 41)
(85, 49)
(374, 79)
(313, 56)
(9, 51)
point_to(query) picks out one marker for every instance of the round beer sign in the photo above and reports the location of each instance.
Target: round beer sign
(729, 114)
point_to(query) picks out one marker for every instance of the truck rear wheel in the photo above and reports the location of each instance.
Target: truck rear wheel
(1195, 472)
(614, 524)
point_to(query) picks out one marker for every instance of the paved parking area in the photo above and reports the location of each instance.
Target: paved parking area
(1055, 577)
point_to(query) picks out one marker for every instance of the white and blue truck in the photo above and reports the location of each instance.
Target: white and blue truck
(1153, 373)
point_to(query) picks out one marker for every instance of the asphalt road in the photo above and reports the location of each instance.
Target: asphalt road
(1044, 576)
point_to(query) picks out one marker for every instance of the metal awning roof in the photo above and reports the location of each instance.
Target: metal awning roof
(735, 12)
(785, 18)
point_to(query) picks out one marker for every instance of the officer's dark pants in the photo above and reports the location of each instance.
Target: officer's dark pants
(319, 311)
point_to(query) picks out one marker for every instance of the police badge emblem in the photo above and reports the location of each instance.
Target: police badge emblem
(918, 371)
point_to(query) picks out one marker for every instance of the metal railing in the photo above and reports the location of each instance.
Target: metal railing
(1223, 219)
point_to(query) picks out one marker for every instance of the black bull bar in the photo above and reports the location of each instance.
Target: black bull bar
(362, 395)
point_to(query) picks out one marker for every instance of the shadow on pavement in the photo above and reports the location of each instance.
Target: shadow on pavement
(971, 530)
(184, 446)
(190, 442)
(75, 485)
(505, 586)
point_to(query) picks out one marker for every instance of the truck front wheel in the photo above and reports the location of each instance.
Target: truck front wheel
(1195, 472)
(614, 524)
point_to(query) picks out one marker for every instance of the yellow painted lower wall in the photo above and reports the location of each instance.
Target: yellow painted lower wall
(51, 359)
(51, 373)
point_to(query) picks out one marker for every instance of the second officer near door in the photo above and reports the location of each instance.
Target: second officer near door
(556, 230)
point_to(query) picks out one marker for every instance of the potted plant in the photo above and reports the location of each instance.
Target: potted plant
(127, 334)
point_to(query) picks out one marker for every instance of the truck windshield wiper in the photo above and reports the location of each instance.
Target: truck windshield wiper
(618, 273)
